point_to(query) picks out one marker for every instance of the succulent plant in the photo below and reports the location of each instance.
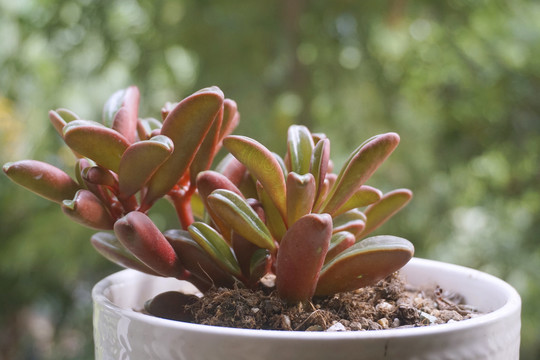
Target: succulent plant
(256, 215)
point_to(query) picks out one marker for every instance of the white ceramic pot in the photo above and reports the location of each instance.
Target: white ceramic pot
(122, 333)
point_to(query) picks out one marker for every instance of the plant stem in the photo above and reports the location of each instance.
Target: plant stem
(181, 199)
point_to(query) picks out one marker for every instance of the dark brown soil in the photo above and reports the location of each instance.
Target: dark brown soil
(389, 304)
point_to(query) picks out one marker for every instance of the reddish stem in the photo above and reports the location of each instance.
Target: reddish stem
(181, 199)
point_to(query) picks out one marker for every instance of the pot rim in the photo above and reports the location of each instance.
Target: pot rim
(512, 305)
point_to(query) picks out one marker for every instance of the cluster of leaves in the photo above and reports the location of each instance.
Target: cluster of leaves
(291, 217)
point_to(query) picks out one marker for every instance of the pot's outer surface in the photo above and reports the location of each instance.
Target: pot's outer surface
(121, 333)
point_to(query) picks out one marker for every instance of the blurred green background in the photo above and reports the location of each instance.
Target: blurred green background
(459, 80)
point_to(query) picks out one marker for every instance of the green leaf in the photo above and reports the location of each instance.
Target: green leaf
(43, 179)
(353, 221)
(262, 165)
(301, 256)
(319, 163)
(258, 265)
(144, 240)
(274, 221)
(378, 213)
(214, 244)
(236, 212)
(207, 182)
(205, 272)
(362, 163)
(186, 125)
(140, 161)
(88, 210)
(300, 196)
(109, 247)
(363, 264)
(364, 196)
(97, 142)
(300, 148)
(339, 242)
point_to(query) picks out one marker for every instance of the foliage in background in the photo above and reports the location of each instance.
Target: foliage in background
(457, 79)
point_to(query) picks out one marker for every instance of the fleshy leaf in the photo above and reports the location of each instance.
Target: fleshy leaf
(262, 165)
(99, 176)
(186, 125)
(353, 221)
(244, 251)
(140, 161)
(141, 236)
(208, 149)
(231, 118)
(378, 213)
(274, 221)
(259, 265)
(236, 212)
(97, 142)
(43, 179)
(359, 167)
(232, 169)
(207, 182)
(363, 264)
(214, 244)
(108, 245)
(125, 119)
(300, 196)
(301, 256)
(319, 162)
(205, 272)
(300, 148)
(88, 210)
(340, 241)
(364, 196)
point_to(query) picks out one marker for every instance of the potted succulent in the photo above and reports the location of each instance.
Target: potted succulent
(289, 223)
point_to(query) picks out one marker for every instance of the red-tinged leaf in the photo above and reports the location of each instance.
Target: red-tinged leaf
(171, 305)
(125, 119)
(215, 246)
(207, 182)
(231, 118)
(80, 165)
(299, 148)
(262, 164)
(99, 176)
(140, 161)
(144, 240)
(60, 118)
(146, 127)
(362, 163)
(43, 179)
(353, 221)
(108, 245)
(239, 215)
(232, 169)
(322, 193)
(301, 256)
(365, 263)
(378, 213)
(244, 250)
(259, 265)
(340, 241)
(208, 149)
(186, 125)
(88, 210)
(205, 272)
(300, 196)
(103, 145)
(319, 162)
(364, 196)
(273, 218)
